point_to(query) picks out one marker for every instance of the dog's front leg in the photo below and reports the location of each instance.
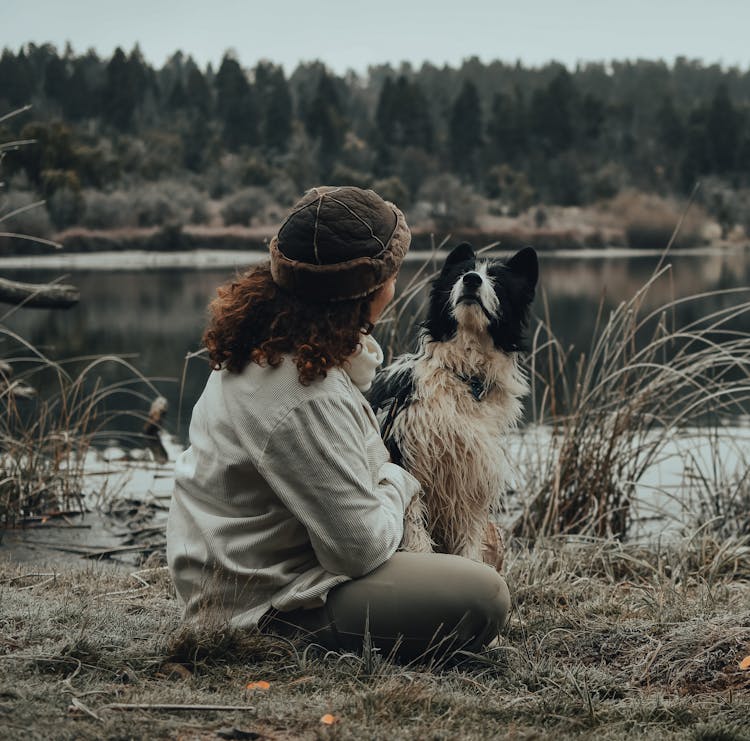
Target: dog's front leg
(468, 544)
(416, 538)
(493, 546)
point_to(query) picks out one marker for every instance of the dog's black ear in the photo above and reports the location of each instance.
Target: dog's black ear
(463, 253)
(526, 264)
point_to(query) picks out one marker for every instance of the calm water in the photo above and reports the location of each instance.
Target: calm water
(156, 316)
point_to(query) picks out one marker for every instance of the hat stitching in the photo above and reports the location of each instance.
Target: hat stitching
(357, 216)
(399, 234)
(295, 211)
(315, 233)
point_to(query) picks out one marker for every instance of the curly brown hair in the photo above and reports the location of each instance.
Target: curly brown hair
(254, 321)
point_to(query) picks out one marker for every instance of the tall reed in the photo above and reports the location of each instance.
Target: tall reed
(612, 410)
(609, 412)
(50, 416)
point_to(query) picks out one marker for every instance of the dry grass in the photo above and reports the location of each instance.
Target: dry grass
(612, 409)
(604, 639)
(50, 416)
(648, 220)
(615, 408)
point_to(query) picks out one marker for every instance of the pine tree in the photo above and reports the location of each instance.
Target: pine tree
(236, 105)
(197, 90)
(178, 98)
(85, 99)
(670, 130)
(402, 115)
(276, 105)
(465, 129)
(120, 95)
(506, 128)
(56, 79)
(551, 114)
(384, 110)
(593, 115)
(697, 153)
(723, 131)
(17, 84)
(325, 121)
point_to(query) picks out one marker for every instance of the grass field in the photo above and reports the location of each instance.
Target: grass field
(605, 641)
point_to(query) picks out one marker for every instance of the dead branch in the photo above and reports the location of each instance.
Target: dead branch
(38, 295)
(159, 706)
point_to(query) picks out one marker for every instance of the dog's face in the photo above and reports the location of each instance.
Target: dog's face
(479, 297)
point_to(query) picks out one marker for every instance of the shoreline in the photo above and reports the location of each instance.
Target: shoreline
(202, 246)
(202, 258)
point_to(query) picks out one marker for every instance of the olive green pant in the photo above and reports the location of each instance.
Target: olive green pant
(414, 606)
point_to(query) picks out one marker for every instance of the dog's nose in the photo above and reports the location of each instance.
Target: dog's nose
(472, 280)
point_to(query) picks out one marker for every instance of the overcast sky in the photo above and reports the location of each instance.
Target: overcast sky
(352, 34)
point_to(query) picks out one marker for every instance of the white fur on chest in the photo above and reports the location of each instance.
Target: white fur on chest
(455, 444)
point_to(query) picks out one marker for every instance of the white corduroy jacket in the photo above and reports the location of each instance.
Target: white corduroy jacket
(285, 492)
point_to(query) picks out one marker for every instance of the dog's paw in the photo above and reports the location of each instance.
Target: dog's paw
(416, 538)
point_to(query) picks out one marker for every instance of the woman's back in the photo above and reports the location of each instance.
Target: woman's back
(271, 463)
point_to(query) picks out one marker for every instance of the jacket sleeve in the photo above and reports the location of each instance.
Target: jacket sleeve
(316, 462)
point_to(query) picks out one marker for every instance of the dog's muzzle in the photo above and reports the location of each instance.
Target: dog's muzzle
(470, 284)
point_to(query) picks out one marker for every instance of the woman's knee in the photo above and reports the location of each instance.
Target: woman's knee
(491, 595)
(455, 586)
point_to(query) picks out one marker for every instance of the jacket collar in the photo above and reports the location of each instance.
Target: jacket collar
(364, 362)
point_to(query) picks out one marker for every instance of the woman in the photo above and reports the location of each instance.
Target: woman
(287, 512)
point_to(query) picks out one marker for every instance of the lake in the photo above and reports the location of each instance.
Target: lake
(155, 313)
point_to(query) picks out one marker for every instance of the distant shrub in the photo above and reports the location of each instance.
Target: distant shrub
(54, 180)
(66, 207)
(357, 153)
(168, 237)
(301, 162)
(743, 210)
(200, 213)
(108, 210)
(728, 205)
(153, 155)
(245, 206)
(32, 221)
(256, 172)
(169, 201)
(510, 188)
(226, 175)
(649, 220)
(283, 190)
(451, 205)
(563, 182)
(344, 175)
(606, 182)
(394, 190)
(414, 166)
(153, 204)
(595, 239)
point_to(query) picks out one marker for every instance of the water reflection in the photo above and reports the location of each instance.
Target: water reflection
(157, 316)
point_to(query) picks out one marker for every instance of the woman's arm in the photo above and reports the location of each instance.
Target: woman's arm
(316, 462)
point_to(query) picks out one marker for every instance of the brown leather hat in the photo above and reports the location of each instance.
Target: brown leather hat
(338, 243)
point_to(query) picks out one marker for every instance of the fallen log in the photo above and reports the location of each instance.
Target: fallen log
(39, 295)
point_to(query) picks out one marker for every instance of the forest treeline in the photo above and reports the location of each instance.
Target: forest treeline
(120, 143)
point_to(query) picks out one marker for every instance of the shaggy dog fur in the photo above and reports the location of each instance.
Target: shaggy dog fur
(447, 407)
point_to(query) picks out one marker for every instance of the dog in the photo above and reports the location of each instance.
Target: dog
(446, 409)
